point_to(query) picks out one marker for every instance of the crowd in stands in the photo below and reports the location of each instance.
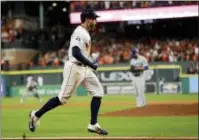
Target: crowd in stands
(117, 51)
(9, 33)
(107, 50)
(169, 50)
(41, 40)
(77, 6)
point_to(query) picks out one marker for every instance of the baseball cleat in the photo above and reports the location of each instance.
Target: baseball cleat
(96, 129)
(33, 121)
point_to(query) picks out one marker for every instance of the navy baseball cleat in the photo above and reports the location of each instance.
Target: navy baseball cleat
(33, 121)
(96, 129)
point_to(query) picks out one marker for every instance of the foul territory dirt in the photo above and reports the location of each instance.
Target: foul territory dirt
(158, 110)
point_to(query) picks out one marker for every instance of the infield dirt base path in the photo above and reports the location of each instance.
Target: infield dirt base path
(104, 138)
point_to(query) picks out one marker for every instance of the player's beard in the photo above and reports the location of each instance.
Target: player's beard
(92, 26)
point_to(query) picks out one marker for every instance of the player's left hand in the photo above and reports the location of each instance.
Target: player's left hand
(95, 65)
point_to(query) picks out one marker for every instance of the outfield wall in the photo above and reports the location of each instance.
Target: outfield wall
(160, 79)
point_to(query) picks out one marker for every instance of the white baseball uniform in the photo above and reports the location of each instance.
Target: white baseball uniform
(138, 80)
(75, 74)
(31, 85)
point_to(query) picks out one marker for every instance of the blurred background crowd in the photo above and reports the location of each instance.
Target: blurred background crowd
(168, 40)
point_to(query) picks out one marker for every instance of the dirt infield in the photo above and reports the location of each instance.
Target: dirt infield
(104, 138)
(113, 103)
(158, 110)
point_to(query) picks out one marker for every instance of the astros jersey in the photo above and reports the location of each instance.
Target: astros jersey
(74, 74)
(139, 62)
(82, 39)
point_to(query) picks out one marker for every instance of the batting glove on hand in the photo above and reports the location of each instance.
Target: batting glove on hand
(95, 66)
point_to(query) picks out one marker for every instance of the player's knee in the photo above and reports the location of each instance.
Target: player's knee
(63, 100)
(36, 95)
(98, 92)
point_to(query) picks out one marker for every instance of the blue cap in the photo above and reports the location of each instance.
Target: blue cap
(134, 52)
(88, 12)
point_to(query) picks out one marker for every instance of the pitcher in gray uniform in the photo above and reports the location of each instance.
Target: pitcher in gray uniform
(138, 65)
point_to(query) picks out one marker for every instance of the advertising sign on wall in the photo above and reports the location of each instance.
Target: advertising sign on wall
(127, 88)
(120, 89)
(193, 85)
(169, 75)
(141, 14)
(44, 90)
(170, 88)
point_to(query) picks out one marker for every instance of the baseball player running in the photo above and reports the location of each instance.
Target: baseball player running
(79, 69)
(138, 65)
(31, 87)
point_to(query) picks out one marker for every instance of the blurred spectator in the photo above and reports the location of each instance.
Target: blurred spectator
(63, 56)
(193, 68)
(197, 69)
(4, 34)
(5, 65)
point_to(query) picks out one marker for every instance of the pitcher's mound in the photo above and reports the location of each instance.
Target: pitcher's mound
(158, 110)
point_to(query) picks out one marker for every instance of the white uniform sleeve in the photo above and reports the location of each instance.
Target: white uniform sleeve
(81, 39)
(76, 40)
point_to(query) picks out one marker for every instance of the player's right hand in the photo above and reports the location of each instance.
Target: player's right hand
(95, 66)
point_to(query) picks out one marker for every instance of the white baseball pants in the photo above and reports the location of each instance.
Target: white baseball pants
(139, 85)
(73, 76)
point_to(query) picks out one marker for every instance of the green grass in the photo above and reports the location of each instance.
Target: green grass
(72, 120)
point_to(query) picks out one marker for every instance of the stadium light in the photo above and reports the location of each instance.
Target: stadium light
(137, 27)
(64, 9)
(54, 4)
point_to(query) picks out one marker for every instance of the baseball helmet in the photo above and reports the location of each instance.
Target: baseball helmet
(88, 13)
(134, 52)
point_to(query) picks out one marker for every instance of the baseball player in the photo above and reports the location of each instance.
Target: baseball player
(138, 65)
(79, 69)
(31, 87)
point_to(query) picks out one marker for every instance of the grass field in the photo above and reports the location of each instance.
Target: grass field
(73, 118)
